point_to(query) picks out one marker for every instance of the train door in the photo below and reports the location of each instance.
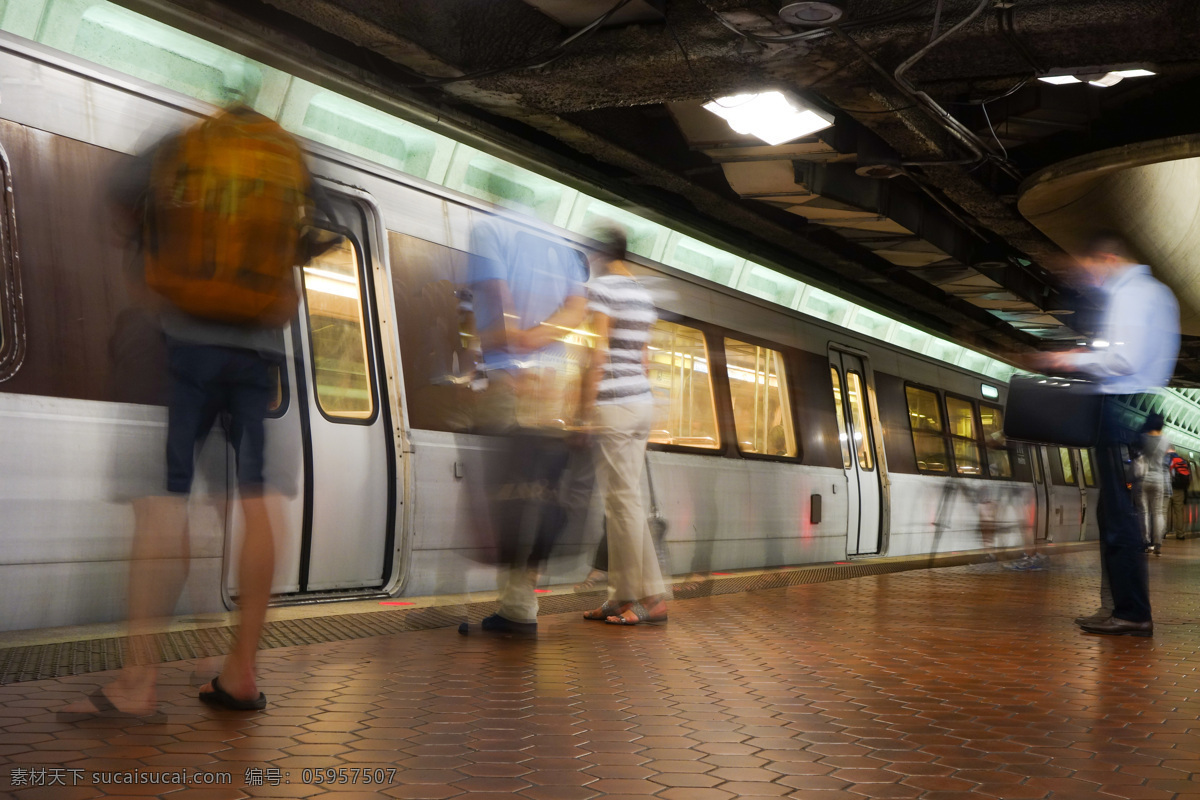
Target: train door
(858, 422)
(1041, 494)
(329, 441)
(1066, 498)
(1089, 495)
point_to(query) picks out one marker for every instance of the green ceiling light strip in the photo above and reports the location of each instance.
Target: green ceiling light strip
(123, 40)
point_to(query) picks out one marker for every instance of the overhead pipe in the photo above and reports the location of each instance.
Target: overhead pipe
(980, 151)
(955, 128)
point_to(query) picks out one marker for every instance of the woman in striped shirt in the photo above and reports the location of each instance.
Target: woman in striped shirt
(619, 408)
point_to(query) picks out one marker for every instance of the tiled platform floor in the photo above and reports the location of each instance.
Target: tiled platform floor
(940, 684)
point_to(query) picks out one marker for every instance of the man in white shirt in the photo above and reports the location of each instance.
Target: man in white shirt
(1136, 352)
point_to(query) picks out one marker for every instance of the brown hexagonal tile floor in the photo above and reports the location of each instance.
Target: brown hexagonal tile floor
(962, 682)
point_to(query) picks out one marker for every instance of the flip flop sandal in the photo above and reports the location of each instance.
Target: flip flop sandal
(104, 709)
(588, 584)
(635, 608)
(219, 698)
(640, 615)
(609, 609)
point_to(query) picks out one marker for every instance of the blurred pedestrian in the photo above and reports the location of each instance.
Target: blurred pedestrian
(1153, 485)
(1181, 477)
(224, 212)
(528, 293)
(618, 408)
(1135, 354)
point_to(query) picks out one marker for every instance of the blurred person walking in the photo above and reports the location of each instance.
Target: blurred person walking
(618, 408)
(527, 293)
(1180, 473)
(1135, 354)
(1153, 486)
(223, 213)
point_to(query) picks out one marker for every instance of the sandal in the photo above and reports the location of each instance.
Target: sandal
(104, 708)
(596, 578)
(636, 614)
(609, 609)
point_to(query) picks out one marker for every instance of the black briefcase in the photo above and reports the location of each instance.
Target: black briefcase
(1061, 411)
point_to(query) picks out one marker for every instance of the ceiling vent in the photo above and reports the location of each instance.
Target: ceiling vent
(808, 14)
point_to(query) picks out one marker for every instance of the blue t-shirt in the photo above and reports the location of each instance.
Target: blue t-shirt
(541, 274)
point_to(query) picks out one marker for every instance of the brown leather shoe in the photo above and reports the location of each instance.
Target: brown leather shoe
(1120, 627)
(1101, 615)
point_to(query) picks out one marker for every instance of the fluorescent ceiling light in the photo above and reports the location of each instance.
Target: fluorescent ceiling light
(1059, 80)
(771, 116)
(1108, 79)
(1134, 73)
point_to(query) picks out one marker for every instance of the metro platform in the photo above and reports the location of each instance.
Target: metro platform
(959, 681)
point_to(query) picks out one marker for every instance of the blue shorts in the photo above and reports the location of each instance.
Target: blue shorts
(206, 380)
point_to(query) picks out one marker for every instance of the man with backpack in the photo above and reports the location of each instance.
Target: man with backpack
(1181, 478)
(223, 214)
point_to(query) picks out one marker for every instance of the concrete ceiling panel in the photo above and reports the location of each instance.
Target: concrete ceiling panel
(1148, 191)
(577, 13)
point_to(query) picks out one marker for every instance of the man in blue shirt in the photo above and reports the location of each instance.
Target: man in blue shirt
(1136, 352)
(527, 292)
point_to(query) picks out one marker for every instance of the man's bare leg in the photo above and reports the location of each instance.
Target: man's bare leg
(255, 573)
(159, 560)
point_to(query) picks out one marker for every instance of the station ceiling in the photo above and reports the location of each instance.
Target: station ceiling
(914, 200)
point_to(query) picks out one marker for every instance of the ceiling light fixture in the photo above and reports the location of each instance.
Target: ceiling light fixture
(1059, 80)
(810, 14)
(1106, 80)
(773, 116)
(1096, 76)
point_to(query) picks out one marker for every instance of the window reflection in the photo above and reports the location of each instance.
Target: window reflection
(998, 455)
(856, 398)
(337, 333)
(762, 412)
(1085, 464)
(925, 417)
(684, 412)
(843, 437)
(1066, 468)
(961, 414)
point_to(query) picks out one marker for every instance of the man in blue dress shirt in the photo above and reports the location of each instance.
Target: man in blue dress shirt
(1135, 354)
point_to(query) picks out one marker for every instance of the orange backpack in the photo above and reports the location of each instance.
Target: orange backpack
(223, 220)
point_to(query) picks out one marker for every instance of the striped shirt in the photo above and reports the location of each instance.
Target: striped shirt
(630, 312)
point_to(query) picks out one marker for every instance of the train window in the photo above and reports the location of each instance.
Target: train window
(1085, 465)
(337, 333)
(12, 333)
(1035, 459)
(762, 411)
(999, 459)
(856, 398)
(684, 412)
(1068, 467)
(843, 437)
(278, 406)
(963, 437)
(925, 417)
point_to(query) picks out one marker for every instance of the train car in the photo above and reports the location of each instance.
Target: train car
(782, 438)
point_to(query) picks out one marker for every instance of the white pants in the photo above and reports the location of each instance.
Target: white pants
(518, 601)
(620, 448)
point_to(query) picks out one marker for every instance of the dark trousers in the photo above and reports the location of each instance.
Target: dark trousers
(206, 380)
(527, 511)
(1123, 552)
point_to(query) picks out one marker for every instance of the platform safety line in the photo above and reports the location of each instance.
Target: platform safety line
(80, 657)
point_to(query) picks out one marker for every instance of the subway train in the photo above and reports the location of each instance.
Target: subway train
(781, 438)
